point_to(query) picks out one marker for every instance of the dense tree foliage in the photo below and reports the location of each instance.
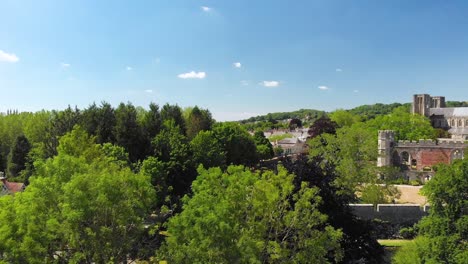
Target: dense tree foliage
(79, 207)
(443, 235)
(322, 125)
(367, 112)
(198, 120)
(264, 147)
(456, 104)
(241, 216)
(237, 143)
(18, 156)
(300, 114)
(208, 150)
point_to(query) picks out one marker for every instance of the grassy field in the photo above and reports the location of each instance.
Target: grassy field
(393, 242)
(391, 246)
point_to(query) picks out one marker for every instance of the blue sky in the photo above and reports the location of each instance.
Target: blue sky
(237, 58)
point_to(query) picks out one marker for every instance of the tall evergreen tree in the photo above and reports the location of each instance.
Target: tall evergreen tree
(173, 112)
(198, 120)
(18, 156)
(127, 131)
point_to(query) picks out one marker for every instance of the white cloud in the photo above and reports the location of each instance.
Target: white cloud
(244, 83)
(323, 87)
(339, 70)
(148, 91)
(8, 57)
(129, 68)
(192, 75)
(270, 83)
(237, 64)
(206, 8)
(65, 65)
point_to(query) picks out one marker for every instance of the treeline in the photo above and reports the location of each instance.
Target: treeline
(25, 137)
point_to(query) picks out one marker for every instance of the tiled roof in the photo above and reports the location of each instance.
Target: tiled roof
(13, 187)
(450, 111)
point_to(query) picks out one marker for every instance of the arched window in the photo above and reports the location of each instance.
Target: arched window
(460, 123)
(405, 158)
(453, 122)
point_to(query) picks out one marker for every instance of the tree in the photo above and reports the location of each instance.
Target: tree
(128, 132)
(321, 126)
(407, 126)
(343, 118)
(106, 125)
(173, 149)
(152, 121)
(295, 123)
(173, 112)
(443, 234)
(237, 143)
(264, 147)
(207, 150)
(359, 241)
(78, 208)
(18, 157)
(198, 120)
(241, 216)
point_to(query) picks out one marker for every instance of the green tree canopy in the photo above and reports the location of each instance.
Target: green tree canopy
(241, 216)
(207, 150)
(198, 120)
(237, 143)
(78, 208)
(443, 234)
(18, 156)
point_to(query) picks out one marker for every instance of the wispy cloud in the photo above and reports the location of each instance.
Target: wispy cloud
(148, 91)
(129, 68)
(237, 64)
(245, 83)
(206, 8)
(8, 57)
(323, 87)
(65, 65)
(356, 91)
(192, 75)
(338, 70)
(270, 83)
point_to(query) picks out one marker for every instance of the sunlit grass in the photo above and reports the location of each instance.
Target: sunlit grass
(394, 242)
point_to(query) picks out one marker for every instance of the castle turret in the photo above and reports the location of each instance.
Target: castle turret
(386, 143)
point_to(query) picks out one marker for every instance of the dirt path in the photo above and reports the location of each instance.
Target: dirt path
(410, 194)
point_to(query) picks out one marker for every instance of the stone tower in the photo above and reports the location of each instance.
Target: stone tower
(386, 144)
(421, 104)
(437, 101)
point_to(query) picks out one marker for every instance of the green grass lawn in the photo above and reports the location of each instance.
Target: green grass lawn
(394, 242)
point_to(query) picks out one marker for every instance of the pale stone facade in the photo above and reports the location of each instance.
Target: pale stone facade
(453, 119)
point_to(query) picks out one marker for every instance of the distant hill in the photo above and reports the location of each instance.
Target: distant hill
(365, 111)
(371, 111)
(303, 114)
(456, 104)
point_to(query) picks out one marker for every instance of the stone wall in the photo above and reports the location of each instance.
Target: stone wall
(393, 213)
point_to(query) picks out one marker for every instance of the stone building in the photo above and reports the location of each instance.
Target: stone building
(417, 158)
(453, 119)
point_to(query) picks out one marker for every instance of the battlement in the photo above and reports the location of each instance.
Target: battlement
(432, 143)
(386, 133)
